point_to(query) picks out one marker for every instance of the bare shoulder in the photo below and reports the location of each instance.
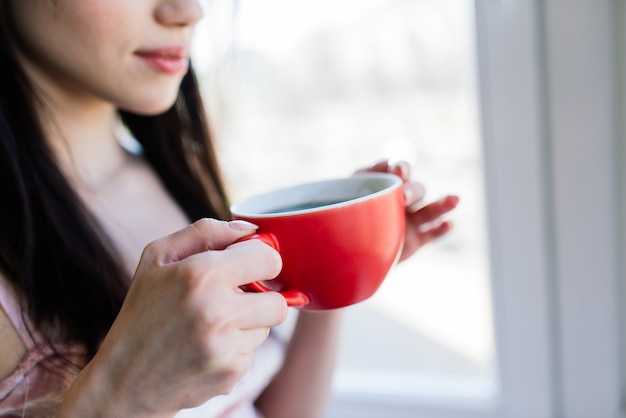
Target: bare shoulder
(12, 349)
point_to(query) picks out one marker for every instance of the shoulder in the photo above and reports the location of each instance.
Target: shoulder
(12, 349)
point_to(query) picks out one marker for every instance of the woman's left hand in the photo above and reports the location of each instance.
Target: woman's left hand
(424, 221)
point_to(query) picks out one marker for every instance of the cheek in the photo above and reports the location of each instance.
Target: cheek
(100, 30)
(70, 37)
(104, 24)
(69, 24)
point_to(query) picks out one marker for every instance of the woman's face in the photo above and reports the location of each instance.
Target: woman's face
(132, 53)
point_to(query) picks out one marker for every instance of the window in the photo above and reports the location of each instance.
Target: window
(497, 319)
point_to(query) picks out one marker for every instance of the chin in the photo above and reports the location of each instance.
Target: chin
(152, 107)
(150, 97)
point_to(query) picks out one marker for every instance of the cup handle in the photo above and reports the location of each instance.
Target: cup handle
(294, 298)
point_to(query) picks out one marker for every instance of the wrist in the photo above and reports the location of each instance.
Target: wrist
(94, 394)
(328, 316)
(86, 396)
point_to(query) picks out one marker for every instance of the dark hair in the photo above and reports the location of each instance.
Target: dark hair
(64, 268)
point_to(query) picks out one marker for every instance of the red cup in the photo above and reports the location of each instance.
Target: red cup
(338, 238)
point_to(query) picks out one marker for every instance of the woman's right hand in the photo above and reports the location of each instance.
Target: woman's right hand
(186, 332)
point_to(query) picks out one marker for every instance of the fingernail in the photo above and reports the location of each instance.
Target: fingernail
(403, 170)
(240, 225)
(446, 226)
(409, 194)
(453, 200)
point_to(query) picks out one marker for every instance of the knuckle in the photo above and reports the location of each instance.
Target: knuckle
(206, 225)
(217, 323)
(152, 251)
(153, 246)
(214, 353)
(189, 277)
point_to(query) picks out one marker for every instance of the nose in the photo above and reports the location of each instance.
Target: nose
(178, 12)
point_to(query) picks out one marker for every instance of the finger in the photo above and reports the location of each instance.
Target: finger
(435, 232)
(229, 358)
(238, 264)
(413, 195)
(252, 338)
(381, 166)
(422, 236)
(200, 236)
(434, 210)
(266, 309)
(401, 169)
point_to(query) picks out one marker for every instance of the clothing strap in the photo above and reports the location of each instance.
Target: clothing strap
(14, 312)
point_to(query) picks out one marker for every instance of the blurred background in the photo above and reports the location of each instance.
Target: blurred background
(323, 88)
(306, 90)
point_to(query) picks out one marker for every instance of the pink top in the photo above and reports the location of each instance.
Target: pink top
(35, 388)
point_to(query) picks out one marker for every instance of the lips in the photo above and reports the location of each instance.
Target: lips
(168, 60)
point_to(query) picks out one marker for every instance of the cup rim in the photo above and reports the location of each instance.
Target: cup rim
(239, 208)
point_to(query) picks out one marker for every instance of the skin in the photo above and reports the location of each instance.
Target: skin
(196, 337)
(204, 342)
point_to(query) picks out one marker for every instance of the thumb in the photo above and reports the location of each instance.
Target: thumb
(203, 235)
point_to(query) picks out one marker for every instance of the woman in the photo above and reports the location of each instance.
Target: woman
(111, 304)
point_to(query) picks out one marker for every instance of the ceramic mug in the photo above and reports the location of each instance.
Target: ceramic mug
(337, 238)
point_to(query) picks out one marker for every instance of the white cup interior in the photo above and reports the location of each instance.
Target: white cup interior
(322, 195)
